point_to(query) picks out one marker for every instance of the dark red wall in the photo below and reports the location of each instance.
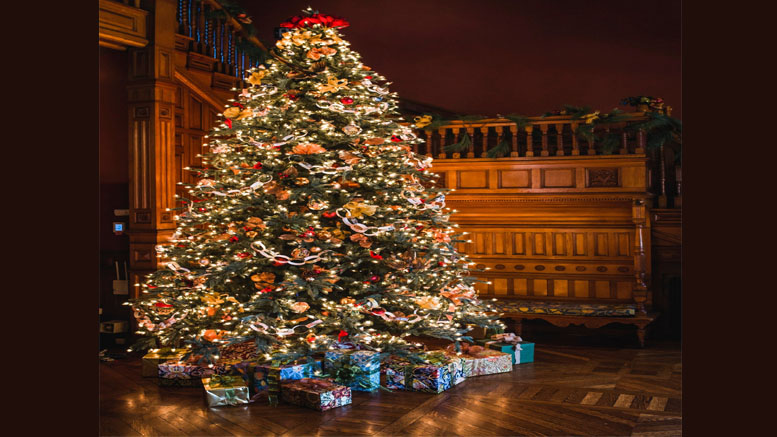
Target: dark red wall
(113, 175)
(503, 56)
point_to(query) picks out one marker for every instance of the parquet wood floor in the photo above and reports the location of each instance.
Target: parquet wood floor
(568, 390)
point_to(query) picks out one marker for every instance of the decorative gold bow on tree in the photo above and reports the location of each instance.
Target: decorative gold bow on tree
(422, 121)
(333, 84)
(589, 118)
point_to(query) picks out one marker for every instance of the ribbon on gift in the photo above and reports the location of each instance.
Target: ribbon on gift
(508, 337)
(225, 381)
(342, 371)
(273, 385)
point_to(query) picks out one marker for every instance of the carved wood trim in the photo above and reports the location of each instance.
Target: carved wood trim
(121, 26)
(208, 96)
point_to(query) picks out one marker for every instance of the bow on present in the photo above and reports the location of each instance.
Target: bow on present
(507, 338)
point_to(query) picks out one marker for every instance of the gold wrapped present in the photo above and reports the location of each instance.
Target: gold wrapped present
(155, 357)
(225, 390)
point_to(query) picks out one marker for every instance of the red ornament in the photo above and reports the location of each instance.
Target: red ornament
(233, 239)
(278, 263)
(341, 335)
(375, 278)
(162, 305)
(324, 20)
(346, 101)
(228, 122)
(244, 255)
(375, 255)
(265, 290)
(201, 209)
(258, 165)
(368, 77)
(329, 214)
(395, 139)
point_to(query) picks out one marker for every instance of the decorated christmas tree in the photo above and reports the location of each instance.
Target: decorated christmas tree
(313, 222)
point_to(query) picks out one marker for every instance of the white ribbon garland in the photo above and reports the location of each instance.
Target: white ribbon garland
(275, 256)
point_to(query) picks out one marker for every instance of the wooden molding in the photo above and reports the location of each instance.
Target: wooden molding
(206, 95)
(122, 26)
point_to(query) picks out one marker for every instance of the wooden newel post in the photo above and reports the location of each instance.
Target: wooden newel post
(640, 290)
(151, 143)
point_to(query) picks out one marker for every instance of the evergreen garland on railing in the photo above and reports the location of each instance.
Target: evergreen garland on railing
(660, 129)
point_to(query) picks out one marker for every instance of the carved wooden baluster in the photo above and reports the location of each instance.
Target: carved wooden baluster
(179, 14)
(441, 151)
(624, 141)
(575, 144)
(529, 140)
(514, 138)
(559, 139)
(471, 151)
(592, 143)
(640, 142)
(218, 40)
(189, 19)
(484, 142)
(415, 148)
(201, 38)
(544, 129)
(662, 177)
(429, 143)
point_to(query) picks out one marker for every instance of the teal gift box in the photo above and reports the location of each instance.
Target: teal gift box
(524, 353)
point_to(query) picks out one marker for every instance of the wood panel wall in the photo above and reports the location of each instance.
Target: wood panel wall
(553, 228)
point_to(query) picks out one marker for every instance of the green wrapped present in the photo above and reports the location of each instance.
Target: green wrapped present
(225, 390)
(155, 357)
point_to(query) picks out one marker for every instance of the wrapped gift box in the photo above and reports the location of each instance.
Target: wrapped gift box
(357, 369)
(319, 394)
(188, 374)
(256, 374)
(225, 390)
(523, 351)
(152, 360)
(441, 373)
(480, 361)
(478, 332)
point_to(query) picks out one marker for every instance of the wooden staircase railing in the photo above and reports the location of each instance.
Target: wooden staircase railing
(220, 38)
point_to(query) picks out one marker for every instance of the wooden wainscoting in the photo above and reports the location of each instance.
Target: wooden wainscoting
(558, 228)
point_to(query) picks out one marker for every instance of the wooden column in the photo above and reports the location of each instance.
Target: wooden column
(151, 143)
(514, 135)
(575, 145)
(471, 150)
(544, 130)
(441, 151)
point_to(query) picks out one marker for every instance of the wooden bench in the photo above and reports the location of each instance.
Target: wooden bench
(563, 314)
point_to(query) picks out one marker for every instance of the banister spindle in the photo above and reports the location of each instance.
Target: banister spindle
(484, 142)
(591, 142)
(575, 145)
(544, 130)
(559, 139)
(514, 135)
(471, 151)
(624, 142)
(429, 143)
(443, 134)
(640, 142)
(179, 14)
(189, 19)
(529, 140)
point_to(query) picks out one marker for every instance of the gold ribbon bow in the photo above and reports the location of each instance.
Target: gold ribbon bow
(333, 84)
(589, 118)
(422, 121)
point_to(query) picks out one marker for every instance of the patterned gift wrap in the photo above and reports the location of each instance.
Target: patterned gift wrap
(152, 360)
(506, 348)
(225, 390)
(363, 367)
(319, 394)
(440, 374)
(485, 362)
(238, 352)
(179, 374)
(256, 374)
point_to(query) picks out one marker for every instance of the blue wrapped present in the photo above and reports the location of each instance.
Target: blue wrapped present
(439, 374)
(357, 369)
(256, 374)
